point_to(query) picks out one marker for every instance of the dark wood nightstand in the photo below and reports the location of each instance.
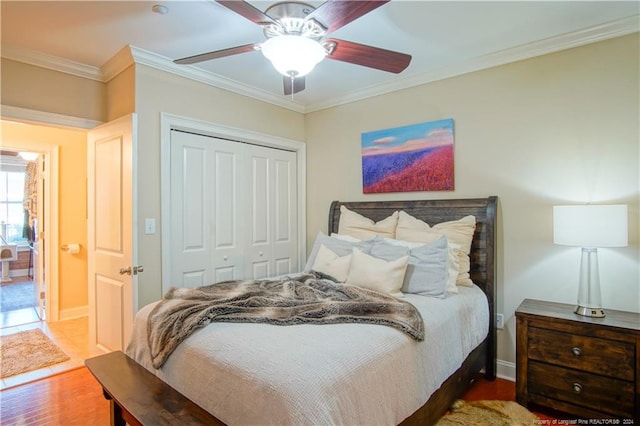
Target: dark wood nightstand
(587, 367)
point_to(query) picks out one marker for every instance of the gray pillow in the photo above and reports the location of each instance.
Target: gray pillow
(336, 245)
(427, 270)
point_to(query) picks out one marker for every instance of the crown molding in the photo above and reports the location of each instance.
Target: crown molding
(590, 35)
(117, 63)
(44, 60)
(129, 55)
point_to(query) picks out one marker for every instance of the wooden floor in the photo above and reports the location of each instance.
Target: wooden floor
(75, 398)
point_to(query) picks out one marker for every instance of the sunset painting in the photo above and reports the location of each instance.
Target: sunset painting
(418, 157)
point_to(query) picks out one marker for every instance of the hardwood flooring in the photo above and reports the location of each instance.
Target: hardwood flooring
(75, 398)
(71, 398)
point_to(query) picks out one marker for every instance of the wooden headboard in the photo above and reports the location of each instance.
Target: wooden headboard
(483, 246)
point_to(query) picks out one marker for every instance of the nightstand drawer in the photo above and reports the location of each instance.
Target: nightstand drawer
(582, 389)
(601, 356)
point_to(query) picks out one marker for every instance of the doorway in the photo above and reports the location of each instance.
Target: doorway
(22, 289)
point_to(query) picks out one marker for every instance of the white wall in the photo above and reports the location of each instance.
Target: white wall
(561, 128)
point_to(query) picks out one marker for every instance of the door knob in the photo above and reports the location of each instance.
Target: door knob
(129, 271)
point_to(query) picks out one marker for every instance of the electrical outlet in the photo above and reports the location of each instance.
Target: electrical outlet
(500, 321)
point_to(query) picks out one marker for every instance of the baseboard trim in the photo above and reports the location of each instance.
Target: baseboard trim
(506, 370)
(72, 313)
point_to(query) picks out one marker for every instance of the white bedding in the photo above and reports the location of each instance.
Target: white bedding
(343, 374)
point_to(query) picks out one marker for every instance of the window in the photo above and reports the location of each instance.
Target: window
(11, 206)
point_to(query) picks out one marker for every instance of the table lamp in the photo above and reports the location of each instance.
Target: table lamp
(590, 227)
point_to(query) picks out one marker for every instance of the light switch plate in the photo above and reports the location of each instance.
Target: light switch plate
(149, 226)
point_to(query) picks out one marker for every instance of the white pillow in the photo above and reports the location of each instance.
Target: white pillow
(459, 232)
(331, 264)
(377, 274)
(358, 226)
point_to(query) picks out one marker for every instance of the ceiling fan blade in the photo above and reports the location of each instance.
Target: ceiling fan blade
(298, 84)
(368, 56)
(334, 14)
(216, 54)
(248, 11)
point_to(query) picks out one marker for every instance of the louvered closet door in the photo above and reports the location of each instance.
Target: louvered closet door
(272, 237)
(233, 210)
(208, 211)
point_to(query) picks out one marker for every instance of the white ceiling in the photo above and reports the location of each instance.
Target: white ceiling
(444, 37)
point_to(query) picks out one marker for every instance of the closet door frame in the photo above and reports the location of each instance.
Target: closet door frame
(170, 122)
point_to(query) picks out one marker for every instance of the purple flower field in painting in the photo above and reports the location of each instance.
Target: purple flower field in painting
(433, 171)
(377, 167)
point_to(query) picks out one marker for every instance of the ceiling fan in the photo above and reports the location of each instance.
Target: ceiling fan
(296, 38)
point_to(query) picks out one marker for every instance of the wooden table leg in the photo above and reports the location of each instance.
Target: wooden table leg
(116, 414)
(115, 411)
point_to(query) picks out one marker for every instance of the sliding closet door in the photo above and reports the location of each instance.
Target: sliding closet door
(233, 210)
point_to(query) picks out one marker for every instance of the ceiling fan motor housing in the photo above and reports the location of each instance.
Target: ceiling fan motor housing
(290, 19)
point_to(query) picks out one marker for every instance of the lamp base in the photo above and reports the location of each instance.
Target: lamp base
(590, 312)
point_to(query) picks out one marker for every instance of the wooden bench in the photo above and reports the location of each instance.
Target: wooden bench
(137, 397)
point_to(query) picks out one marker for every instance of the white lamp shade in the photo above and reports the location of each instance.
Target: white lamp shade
(590, 225)
(293, 55)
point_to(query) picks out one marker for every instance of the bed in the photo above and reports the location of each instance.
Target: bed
(346, 373)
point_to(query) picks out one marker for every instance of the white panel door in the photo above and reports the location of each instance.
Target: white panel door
(111, 247)
(272, 238)
(233, 210)
(206, 220)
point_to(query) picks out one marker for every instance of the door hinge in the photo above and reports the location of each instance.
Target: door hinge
(42, 295)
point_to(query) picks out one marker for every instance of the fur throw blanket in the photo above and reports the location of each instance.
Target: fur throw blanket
(304, 299)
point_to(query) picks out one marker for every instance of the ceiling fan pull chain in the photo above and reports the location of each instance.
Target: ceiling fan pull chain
(293, 77)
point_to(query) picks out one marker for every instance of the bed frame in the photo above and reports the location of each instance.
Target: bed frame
(483, 273)
(137, 397)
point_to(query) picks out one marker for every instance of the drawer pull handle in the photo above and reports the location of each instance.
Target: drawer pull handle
(576, 351)
(577, 387)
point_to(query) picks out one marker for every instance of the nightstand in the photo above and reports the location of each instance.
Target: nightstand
(587, 367)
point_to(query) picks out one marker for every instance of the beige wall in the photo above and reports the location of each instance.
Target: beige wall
(157, 92)
(31, 87)
(120, 94)
(72, 202)
(561, 128)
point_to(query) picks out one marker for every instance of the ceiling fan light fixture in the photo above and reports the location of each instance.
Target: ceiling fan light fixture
(293, 56)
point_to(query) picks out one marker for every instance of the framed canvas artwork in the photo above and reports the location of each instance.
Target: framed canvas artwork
(418, 157)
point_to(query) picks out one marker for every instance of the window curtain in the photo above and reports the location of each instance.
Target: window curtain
(30, 201)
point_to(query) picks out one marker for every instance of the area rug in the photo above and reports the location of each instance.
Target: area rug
(14, 296)
(488, 413)
(26, 351)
